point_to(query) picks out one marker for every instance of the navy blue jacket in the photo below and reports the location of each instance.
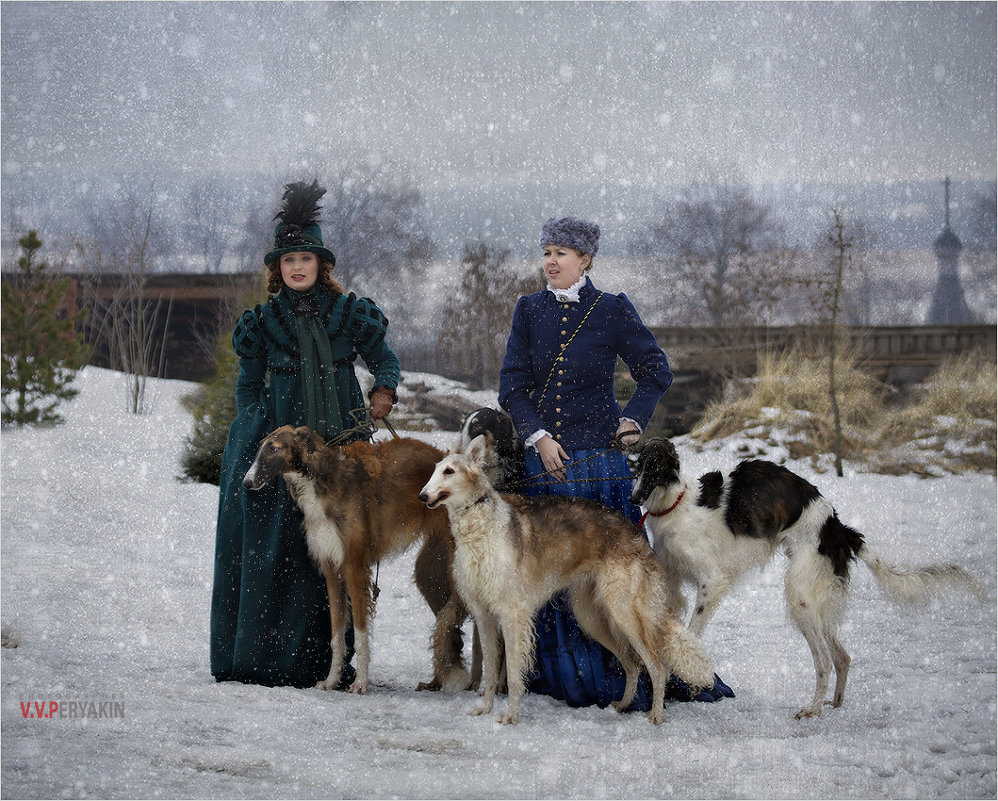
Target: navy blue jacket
(578, 407)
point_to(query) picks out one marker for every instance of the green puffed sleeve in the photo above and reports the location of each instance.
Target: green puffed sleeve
(368, 327)
(248, 344)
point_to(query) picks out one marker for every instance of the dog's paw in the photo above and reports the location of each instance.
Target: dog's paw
(481, 709)
(428, 686)
(508, 719)
(326, 684)
(456, 680)
(359, 688)
(808, 712)
(657, 716)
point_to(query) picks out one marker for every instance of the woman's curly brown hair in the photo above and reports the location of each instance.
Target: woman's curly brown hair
(275, 282)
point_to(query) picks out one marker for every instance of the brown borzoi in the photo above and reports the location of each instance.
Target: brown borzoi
(361, 504)
(512, 554)
(711, 532)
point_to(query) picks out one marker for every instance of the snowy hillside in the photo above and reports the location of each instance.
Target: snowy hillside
(106, 580)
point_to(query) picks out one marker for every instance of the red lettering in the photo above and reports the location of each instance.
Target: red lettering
(26, 709)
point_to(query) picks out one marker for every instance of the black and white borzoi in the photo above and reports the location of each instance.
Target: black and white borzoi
(504, 451)
(713, 531)
(513, 553)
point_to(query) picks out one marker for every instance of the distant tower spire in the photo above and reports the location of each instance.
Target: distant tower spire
(946, 185)
(948, 304)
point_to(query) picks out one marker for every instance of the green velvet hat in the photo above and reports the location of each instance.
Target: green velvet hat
(298, 229)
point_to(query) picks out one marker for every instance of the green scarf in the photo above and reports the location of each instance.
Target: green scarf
(318, 381)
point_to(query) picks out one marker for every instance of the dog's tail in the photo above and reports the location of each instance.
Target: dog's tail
(913, 585)
(685, 656)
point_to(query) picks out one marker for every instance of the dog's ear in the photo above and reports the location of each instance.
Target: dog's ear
(477, 450)
(306, 437)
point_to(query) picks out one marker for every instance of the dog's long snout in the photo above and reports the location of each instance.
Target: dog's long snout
(436, 500)
(431, 503)
(638, 492)
(254, 480)
(248, 480)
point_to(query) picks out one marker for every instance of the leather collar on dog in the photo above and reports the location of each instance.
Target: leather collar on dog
(483, 499)
(641, 525)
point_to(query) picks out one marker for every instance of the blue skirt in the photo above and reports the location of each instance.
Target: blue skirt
(569, 665)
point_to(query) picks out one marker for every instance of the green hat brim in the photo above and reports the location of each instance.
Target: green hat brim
(324, 254)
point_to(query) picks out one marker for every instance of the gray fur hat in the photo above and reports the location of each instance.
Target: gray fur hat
(571, 232)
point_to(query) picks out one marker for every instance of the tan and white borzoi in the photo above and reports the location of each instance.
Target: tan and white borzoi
(361, 504)
(711, 532)
(513, 553)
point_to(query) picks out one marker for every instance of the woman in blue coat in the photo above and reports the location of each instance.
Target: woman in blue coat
(269, 610)
(557, 383)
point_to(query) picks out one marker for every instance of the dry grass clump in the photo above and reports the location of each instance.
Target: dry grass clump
(949, 425)
(946, 425)
(790, 392)
(964, 388)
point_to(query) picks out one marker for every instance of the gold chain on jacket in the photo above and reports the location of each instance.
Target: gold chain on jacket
(562, 351)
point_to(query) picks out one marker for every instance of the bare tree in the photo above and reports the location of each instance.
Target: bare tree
(374, 224)
(128, 220)
(475, 323)
(726, 256)
(128, 241)
(729, 246)
(841, 248)
(207, 229)
(983, 221)
(255, 236)
(979, 257)
(841, 244)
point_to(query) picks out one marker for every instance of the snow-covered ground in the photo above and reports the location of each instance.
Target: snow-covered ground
(106, 580)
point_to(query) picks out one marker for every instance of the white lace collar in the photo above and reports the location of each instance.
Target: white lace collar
(570, 295)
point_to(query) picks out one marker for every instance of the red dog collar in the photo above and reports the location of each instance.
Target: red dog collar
(641, 525)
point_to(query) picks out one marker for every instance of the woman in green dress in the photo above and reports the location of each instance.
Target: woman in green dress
(269, 610)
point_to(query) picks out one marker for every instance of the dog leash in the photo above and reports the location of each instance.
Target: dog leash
(390, 427)
(618, 445)
(365, 426)
(362, 425)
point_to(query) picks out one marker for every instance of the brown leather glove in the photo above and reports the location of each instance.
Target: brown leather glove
(382, 400)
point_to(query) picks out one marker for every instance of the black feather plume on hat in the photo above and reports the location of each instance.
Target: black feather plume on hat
(298, 229)
(301, 204)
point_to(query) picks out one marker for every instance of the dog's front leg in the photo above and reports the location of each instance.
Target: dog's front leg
(517, 636)
(337, 622)
(710, 591)
(674, 588)
(359, 583)
(449, 673)
(488, 631)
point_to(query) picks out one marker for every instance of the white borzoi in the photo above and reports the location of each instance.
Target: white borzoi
(713, 531)
(512, 554)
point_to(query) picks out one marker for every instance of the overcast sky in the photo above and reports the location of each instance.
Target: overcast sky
(490, 93)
